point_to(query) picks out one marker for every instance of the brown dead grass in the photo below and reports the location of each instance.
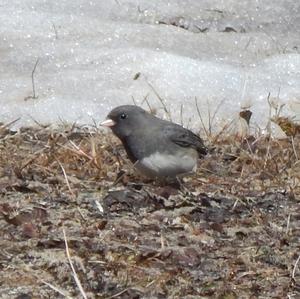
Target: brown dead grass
(234, 234)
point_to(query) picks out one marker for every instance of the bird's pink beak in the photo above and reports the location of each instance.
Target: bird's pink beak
(108, 123)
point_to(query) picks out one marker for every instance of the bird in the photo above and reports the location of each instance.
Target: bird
(158, 148)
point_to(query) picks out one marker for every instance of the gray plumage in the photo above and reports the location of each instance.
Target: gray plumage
(144, 135)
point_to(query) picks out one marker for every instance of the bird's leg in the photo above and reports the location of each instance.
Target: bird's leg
(177, 183)
(185, 191)
(119, 177)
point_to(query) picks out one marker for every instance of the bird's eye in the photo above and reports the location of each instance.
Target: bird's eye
(123, 116)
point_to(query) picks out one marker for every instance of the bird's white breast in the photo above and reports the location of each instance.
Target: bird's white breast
(166, 165)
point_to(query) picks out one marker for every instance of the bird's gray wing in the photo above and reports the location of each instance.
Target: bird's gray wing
(185, 138)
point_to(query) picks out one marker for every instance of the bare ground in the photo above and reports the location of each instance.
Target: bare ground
(232, 232)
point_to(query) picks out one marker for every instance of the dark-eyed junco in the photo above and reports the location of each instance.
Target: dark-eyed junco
(158, 148)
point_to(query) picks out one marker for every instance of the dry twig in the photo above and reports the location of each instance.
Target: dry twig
(73, 269)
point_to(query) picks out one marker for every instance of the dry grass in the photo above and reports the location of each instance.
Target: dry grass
(233, 235)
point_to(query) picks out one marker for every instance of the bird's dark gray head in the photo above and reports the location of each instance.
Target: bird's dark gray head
(124, 119)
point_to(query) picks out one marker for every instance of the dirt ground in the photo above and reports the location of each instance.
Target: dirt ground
(76, 221)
